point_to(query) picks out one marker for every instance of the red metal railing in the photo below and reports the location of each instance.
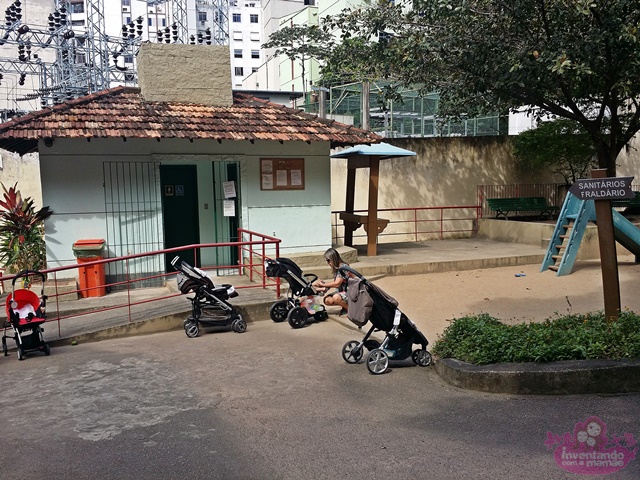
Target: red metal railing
(419, 223)
(252, 248)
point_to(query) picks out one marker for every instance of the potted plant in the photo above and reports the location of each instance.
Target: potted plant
(22, 245)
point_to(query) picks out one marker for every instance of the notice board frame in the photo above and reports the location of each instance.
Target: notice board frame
(281, 173)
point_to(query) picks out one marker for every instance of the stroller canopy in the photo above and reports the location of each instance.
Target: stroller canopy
(290, 271)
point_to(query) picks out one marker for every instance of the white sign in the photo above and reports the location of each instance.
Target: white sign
(267, 182)
(229, 208)
(281, 178)
(296, 178)
(229, 189)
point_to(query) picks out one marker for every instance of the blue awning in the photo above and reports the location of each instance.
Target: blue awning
(382, 150)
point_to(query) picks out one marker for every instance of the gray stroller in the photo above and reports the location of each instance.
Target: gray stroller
(368, 303)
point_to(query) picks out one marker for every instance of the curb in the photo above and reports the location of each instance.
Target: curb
(553, 378)
(252, 313)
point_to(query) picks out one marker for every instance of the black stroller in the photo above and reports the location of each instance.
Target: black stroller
(300, 290)
(367, 302)
(209, 305)
(25, 316)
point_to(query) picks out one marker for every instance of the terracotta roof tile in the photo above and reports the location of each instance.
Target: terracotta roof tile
(123, 112)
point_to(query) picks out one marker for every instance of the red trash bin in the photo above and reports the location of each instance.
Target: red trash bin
(92, 279)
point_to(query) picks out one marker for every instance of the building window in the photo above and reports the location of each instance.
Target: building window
(255, 53)
(150, 21)
(77, 7)
(128, 59)
(254, 69)
(126, 3)
(81, 58)
(239, 71)
(237, 35)
(77, 23)
(237, 18)
(237, 53)
(202, 16)
(253, 18)
(310, 2)
(255, 36)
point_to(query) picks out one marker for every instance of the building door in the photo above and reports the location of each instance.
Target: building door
(226, 186)
(179, 189)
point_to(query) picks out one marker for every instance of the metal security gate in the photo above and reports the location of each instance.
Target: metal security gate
(133, 209)
(226, 218)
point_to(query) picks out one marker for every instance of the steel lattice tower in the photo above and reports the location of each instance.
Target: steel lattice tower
(86, 60)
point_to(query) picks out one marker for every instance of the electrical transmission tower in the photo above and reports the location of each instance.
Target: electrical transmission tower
(65, 61)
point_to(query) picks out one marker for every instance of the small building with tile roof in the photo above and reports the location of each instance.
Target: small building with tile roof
(181, 160)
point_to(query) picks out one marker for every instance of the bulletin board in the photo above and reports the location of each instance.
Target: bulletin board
(282, 174)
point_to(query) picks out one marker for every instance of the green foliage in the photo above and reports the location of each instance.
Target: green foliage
(22, 245)
(559, 146)
(578, 60)
(483, 339)
(300, 43)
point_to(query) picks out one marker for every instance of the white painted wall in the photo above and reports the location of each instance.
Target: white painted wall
(72, 185)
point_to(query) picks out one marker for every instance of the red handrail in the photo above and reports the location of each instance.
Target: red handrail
(265, 243)
(468, 219)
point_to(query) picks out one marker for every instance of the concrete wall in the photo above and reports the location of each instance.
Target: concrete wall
(174, 73)
(25, 171)
(445, 171)
(539, 234)
(448, 170)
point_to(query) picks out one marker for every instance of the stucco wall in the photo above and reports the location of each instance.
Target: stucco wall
(447, 171)
(25, 171)
(73, 186)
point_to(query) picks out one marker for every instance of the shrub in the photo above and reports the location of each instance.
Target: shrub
(482, 339)
(22, 245)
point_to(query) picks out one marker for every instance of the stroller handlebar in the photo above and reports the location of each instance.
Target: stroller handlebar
(27, 273)
(347, 269)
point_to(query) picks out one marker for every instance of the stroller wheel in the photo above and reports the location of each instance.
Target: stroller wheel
(377, 361)
(421, 358)
(5, 350)
(298, 317)
(20, 354)
(191, 329)
(278, 311)
(46, 350)
(351, 353)
(239, 325)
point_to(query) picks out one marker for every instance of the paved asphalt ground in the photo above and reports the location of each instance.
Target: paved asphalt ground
(272, 403)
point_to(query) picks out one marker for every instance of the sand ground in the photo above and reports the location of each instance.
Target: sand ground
(433, 300)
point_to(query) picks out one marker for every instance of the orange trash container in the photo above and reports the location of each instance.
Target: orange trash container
(92, 279)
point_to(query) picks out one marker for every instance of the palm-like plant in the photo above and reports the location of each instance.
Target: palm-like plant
(22, 245)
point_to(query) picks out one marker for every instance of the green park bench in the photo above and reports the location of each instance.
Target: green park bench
(503, 207)
(628, 203)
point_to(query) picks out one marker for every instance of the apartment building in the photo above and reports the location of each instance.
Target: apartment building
(238, 23)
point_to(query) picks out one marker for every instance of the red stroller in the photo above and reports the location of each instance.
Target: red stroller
(25, 315)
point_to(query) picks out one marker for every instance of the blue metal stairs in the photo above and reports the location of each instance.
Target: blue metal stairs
(573, 219)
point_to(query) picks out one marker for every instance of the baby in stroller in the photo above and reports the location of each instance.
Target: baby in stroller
(209, 305)
(25, 315)
(300, 303)
(367, 302)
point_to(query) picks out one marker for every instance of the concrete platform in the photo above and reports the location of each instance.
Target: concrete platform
(393, 259)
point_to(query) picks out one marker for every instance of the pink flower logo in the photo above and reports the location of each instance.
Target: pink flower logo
(589, 451)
